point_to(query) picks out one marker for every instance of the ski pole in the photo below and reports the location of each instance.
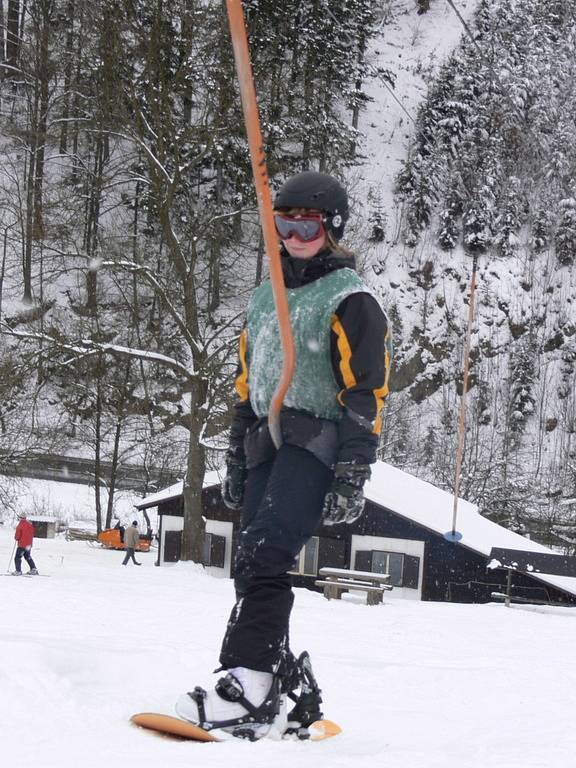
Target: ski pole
(258, 158)
(11, 557)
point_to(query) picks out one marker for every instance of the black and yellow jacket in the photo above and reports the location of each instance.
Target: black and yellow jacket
(359, 354)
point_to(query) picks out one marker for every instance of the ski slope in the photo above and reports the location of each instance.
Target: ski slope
(415, 685)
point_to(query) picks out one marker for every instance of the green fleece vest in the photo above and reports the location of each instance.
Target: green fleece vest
(312, 307)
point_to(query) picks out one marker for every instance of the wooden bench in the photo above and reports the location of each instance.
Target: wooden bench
(530, 563)
(336, 581)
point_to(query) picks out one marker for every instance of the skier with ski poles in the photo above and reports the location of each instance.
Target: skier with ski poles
(330, 422)
(24, 537)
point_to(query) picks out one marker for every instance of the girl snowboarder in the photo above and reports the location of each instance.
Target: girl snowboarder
(330, 421)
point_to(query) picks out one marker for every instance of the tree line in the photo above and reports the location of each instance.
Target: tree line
(128, 225)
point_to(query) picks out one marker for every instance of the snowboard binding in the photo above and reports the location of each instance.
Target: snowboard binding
(252, 726)
(307, 704)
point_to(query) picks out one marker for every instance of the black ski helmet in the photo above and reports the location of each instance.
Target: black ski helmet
(312, 189)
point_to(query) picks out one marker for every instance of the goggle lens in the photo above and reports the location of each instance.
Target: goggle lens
(304, 228)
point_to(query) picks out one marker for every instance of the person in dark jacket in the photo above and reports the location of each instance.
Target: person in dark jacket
(330, 423)
(131, 541)
(24, 536)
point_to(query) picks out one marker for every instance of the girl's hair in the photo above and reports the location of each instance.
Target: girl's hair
(339, 248)
(335, 246)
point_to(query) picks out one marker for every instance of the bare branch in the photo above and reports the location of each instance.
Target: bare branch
(87, 347)
(147, 273)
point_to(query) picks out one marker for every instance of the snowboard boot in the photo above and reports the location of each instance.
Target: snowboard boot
(307, 703)
(245, 704)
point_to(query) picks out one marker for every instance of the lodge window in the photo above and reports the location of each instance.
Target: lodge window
(214, 550)
(403, 569)
(172, 546)
(307, 559)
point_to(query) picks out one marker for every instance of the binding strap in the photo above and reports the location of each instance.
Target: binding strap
(230, 689)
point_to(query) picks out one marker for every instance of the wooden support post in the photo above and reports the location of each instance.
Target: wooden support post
(508, 588)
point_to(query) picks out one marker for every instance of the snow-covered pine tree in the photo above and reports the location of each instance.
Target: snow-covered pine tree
(565, 237)
(449, 220)
(522, 402)
(508, 222)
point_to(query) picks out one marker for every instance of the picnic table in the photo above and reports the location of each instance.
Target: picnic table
(336, 581)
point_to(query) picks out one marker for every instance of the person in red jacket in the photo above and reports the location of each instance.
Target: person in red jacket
(24, 536)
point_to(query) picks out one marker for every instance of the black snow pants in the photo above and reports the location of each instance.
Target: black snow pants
(22, 552)
(282, 507)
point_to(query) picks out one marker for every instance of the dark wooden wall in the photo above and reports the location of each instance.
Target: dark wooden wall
(451, 572)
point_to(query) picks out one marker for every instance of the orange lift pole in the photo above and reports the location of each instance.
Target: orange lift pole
(454, 535)
(257, 155)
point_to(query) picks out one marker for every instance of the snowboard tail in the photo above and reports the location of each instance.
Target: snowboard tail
(174, 727)
(171, 726)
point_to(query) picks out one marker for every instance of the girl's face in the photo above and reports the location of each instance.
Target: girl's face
(305, 250)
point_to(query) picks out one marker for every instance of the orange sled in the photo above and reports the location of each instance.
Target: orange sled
(110, 539)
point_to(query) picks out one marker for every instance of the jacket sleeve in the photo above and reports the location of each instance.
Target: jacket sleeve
(243, 417)
(361, 356)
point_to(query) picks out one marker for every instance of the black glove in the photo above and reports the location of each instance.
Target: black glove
(344, 502)
(233, 483)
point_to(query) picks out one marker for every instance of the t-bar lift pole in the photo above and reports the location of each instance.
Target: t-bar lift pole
(257, 155)
(453, 535)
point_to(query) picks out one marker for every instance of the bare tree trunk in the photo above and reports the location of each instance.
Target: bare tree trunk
(358, 87)
(194, 526)
(116, 448)
(68, 69)
(43, 71)
(259, 260)
(308, 99)
(2, 27)
(38, 124)
(3, 268)
(136, 304)
(75, 112)
(13, 33)
(215, 251)
(185, 52)
(29, 220)
(113, 472)
(92, 225)
(97, 455)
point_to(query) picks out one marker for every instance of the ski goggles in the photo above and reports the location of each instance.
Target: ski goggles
(303, 228)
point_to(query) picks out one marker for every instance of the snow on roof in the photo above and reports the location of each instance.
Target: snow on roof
(431, 507)
(174, 491)
(42, 518)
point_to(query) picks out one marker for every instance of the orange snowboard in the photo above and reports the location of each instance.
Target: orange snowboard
(173, 726)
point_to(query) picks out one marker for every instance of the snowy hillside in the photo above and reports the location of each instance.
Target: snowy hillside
(512, 206)
(407, 53)
(414, 685)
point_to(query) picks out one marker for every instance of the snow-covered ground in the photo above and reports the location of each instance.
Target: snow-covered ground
(414, 685)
